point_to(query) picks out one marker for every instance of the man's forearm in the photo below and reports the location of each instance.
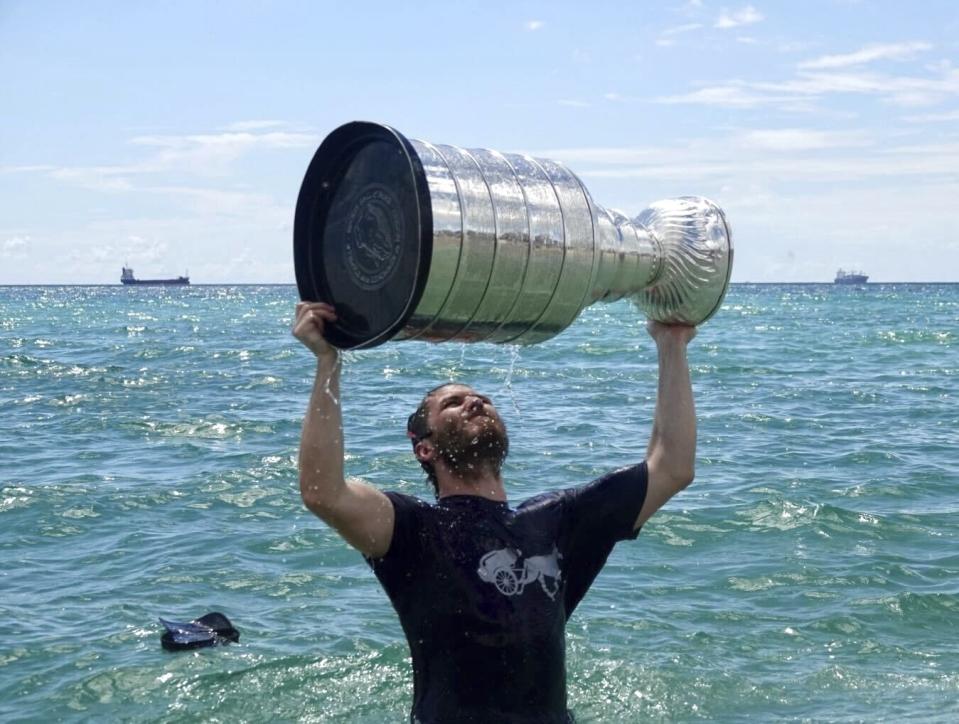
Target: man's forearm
(673, 438)
(321, 442)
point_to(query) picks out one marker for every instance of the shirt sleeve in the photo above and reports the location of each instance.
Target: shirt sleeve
(406, 543)
(608, 507)
(596, 516)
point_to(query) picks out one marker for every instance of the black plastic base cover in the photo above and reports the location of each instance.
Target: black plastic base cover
(208, 630)
(363, 232)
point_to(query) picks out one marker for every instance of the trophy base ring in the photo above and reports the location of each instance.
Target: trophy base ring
(363, 233)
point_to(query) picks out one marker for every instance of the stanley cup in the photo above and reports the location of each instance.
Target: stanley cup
(411, 240)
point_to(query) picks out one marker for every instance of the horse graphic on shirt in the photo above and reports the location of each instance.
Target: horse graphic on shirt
(502, 569)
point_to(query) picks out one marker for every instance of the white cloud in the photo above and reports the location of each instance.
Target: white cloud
(800, 139)
(899, 90)
(931, 149)
(212, 153)
(534, 25)
(769, 156)
(32, 168)
(792, 46)
(212, 202)
(133, 249)
(232, 143)
(943, 65)
(735, 94)
(800, 93)
(254, 125)
(15, 246)
(933, 117)
(733, 19)
(194, 155)
(680, 29)
(668, 36)
(868, 54)
(96, 178)
(573, 103)
(700, 171)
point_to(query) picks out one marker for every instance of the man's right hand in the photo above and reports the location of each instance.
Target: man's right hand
(309, 325)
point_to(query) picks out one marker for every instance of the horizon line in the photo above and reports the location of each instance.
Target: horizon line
(293, 284)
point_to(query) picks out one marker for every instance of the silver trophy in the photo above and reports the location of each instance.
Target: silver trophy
(411, 240)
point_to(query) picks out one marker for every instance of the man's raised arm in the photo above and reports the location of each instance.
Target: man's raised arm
(359, 512)
(671, 455)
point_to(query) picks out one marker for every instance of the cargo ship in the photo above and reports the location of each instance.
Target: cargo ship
(850, 277)
(127, 278)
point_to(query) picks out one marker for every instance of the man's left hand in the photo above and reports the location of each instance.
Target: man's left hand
(678, 333)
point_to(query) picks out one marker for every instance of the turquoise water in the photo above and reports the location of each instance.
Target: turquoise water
(148, 444)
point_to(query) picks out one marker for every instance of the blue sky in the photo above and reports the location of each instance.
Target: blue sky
(174, 135)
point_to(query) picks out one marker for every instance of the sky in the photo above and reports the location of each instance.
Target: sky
(173, 136)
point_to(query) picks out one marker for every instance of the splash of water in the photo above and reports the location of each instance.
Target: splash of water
(453, 371)
(508, 382)
(337, 369)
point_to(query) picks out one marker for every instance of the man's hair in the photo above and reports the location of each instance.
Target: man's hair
(418, 428)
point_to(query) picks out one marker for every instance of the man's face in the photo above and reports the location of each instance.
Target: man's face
(467, 430)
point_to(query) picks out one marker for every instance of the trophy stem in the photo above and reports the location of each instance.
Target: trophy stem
(630, 257)
(673, 259)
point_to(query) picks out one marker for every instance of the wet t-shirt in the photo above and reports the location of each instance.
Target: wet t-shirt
(483, 593)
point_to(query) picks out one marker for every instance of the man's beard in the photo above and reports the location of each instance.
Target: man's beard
(467, 455)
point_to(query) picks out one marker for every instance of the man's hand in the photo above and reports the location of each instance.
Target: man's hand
(681, 333)
(309, 326)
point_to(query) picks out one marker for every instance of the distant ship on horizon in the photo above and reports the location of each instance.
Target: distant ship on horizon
(850, 277)
(127, 278)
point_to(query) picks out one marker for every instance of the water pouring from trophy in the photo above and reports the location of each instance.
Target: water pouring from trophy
(410, 240)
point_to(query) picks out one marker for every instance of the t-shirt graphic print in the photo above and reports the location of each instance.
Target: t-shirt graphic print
(510, 573)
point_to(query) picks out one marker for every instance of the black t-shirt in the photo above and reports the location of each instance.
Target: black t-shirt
(483, 593)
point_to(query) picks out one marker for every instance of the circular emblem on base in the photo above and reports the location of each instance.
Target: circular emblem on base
(374, 236)
(363, 233)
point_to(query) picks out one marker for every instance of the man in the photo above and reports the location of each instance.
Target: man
(483, 592)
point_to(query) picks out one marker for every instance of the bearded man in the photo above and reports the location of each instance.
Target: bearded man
(483, 591)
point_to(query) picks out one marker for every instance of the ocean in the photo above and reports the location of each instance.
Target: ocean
(148, 443)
